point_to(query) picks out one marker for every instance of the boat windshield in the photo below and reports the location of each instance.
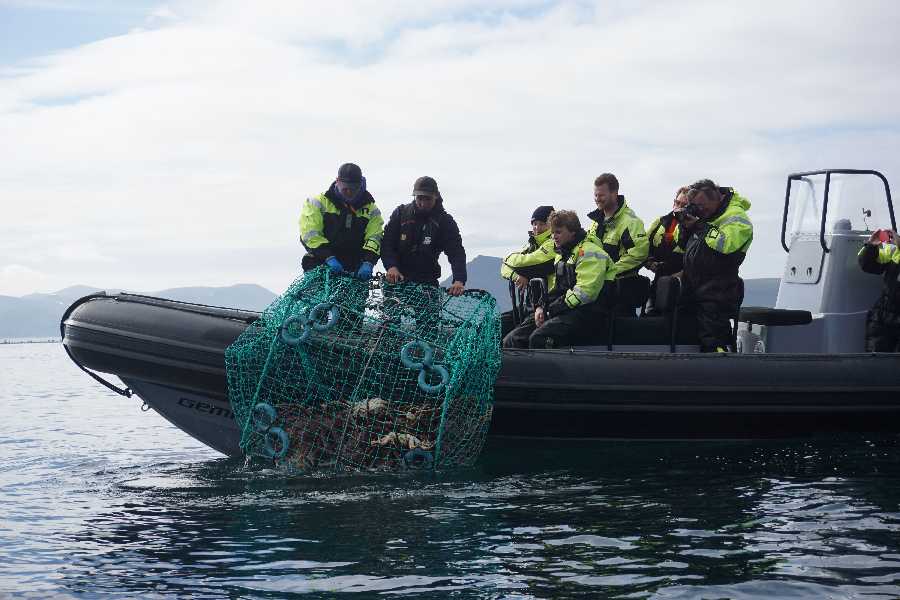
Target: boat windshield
(855, 202)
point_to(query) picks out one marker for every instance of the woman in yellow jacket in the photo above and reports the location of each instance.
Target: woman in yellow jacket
(666, 257)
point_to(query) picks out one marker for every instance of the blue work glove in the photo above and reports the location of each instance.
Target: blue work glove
(334, 264)
(365, 271)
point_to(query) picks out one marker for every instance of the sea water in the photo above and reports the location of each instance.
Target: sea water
(99, 499)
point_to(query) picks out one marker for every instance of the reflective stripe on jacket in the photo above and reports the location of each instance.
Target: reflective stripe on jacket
(581, 272)
(884, 260)
(883, 254)
(715, 249)
(623, 238)
(330, 227)
(731, 231)
(529, 260)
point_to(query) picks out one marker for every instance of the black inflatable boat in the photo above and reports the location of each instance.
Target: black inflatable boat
(799, 370)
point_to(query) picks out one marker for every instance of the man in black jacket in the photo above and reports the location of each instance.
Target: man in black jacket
(715, 233)
(415, 236)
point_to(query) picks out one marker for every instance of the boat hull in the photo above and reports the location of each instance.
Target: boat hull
(172, 355)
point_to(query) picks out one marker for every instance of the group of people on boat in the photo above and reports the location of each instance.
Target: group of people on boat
(588, 274)
(594, 274)
(343, 229)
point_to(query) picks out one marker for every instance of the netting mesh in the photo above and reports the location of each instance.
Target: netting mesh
(346, 375)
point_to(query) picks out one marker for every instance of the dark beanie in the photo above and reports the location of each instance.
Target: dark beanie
(541, 213)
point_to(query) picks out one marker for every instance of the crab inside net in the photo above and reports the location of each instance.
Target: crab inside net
(340, 374)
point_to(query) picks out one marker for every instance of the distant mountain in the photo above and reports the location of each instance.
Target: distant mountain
(484, 273)
(38, 315)
(244, 295)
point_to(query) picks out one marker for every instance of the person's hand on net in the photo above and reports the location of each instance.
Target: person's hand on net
(539, 316)
(457, 288)
(521, 282)
(394, 275)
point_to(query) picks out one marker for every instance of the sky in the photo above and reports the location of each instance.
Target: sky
(150, 145)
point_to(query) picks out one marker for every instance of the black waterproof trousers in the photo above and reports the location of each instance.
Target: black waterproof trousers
(883, 327)
(714, 325)
(562, 331)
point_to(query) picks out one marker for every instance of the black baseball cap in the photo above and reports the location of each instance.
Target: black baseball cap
(350, 173)
(425, 185)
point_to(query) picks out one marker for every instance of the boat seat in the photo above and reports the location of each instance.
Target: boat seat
(774, 317)
(668, 328)
(655, 331)
(621, 299)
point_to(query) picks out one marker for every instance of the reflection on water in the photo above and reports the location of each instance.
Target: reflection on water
(101, 499)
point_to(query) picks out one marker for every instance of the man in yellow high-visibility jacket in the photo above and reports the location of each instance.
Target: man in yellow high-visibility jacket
(341, 227)
(581, 270)
(715, 233)
(622, 235)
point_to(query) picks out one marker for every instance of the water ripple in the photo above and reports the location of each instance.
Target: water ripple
(150, 512)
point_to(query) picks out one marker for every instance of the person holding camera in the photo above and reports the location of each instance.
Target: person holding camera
(581, 269)
(665, 256)
(623, 237)
(715, 234)
(880, 256)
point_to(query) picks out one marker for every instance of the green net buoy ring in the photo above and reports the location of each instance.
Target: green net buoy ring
(293, 339)
(320, 310)
(409, 362)
(277, 443)
(263, 416)
(430, 388)
(417, 458)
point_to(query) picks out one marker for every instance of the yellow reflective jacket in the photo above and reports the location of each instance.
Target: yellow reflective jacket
(529, 261)
(662, 235)
(884, 260)
(731, 231)
(715, 249)
(331, 227)
(623, 237)
(581, 271)
(883, 254)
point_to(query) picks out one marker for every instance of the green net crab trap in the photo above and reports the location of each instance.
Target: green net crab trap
(340, 374)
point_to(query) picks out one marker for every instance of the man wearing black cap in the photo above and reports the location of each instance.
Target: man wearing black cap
(342, 228)
(415, 236)
(535, 259)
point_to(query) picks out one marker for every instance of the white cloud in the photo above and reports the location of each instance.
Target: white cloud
(201, 136)
(18, 280)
